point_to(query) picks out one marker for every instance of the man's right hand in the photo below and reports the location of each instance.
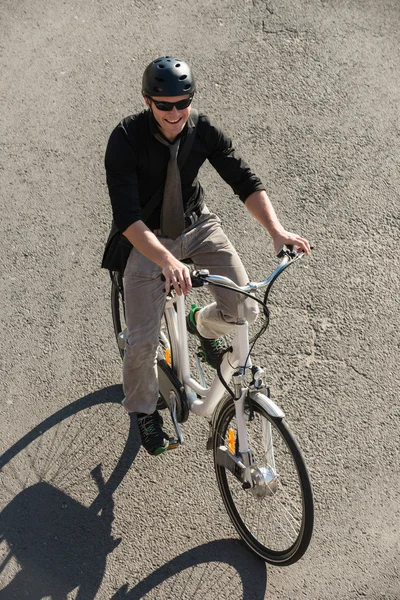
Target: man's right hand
(176, 275)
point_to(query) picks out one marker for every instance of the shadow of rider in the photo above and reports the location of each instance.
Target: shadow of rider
(59, 543)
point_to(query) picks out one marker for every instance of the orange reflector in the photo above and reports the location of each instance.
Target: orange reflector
(173, 446)
(231, 441)
(168, 357)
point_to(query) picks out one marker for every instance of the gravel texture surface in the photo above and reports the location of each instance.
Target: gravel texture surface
(310, 92)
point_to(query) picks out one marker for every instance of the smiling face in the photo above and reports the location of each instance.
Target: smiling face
(171, 122)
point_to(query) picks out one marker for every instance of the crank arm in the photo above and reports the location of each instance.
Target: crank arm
(172, 407)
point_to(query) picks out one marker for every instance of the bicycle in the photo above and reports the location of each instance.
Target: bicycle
(258, 464)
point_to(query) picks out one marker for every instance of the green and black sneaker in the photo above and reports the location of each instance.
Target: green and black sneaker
(212, 349)
(154, 439)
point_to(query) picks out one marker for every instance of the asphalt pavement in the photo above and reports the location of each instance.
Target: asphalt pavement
(310, 93)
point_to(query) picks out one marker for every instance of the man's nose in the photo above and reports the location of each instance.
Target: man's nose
(174, 113)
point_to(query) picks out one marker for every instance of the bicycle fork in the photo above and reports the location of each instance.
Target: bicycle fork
(238, 457)
(240, 394)
(247, 457)
(261, 479)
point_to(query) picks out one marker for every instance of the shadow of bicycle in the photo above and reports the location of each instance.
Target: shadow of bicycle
(54, 543)
(222, 569)
(57, 510)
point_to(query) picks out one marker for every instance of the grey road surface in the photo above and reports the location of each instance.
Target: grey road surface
(309, 90)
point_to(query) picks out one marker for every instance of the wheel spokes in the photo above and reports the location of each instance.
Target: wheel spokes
(275, 516)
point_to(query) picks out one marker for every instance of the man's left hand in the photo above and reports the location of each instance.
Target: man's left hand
(286, 238)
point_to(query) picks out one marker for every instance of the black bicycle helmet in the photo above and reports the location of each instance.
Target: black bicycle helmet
(168, 76)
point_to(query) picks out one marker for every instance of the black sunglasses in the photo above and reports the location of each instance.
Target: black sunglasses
(167, 106)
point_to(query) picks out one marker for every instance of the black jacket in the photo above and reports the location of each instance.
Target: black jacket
(136, 166)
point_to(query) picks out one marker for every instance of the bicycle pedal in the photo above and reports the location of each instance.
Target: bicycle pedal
(201, 355)
(179, 439)
(173, 444)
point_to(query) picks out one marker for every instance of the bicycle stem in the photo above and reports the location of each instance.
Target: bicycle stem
(242, 332)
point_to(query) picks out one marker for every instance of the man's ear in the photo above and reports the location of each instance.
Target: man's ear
(147, 101)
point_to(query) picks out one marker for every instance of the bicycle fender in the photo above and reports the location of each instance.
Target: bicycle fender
(267, 404)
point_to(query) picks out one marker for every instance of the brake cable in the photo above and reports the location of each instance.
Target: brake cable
(254, 339)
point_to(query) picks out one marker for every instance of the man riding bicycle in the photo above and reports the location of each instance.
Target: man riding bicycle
(146, 166)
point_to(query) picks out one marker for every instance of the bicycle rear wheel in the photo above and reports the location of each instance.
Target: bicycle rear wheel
(165, 351)
(275, 517)
(118, 309)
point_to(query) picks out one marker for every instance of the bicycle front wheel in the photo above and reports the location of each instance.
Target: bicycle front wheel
(274, 517)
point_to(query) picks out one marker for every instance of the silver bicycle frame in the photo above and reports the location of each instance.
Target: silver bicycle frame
(211, 396)
(203, 400)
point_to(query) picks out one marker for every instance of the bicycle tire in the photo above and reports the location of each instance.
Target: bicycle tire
(117, 310)
(277, 505)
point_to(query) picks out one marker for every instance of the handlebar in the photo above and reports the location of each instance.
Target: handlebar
(288, 254)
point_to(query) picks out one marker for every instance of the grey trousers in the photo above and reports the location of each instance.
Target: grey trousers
(207, 246)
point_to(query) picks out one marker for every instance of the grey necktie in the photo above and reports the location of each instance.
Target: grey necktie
(172, 214)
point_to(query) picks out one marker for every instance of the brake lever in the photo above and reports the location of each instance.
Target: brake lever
(287, 250)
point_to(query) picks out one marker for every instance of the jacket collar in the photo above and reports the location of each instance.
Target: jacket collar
(154, 128)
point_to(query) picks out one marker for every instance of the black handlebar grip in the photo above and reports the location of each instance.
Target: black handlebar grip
(197, 281)
(286, 249)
